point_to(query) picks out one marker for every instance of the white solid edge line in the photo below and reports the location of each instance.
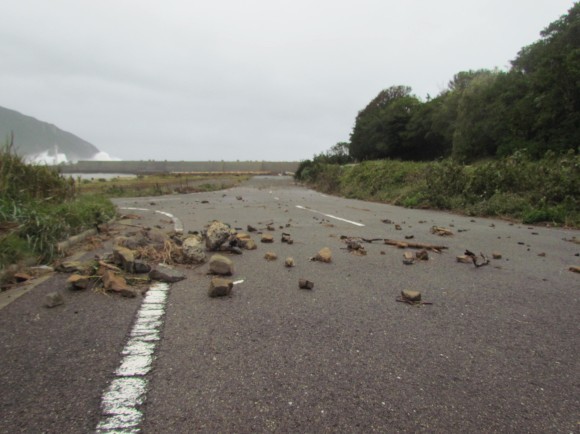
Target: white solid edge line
(177, 225)
(330, 216)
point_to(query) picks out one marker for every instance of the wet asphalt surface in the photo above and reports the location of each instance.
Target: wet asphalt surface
(497, 351)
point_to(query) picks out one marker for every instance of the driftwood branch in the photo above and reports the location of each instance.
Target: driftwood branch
(412, 245)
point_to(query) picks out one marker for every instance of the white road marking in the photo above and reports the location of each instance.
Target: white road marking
(177, 225)
(121, 402)
(330, 216)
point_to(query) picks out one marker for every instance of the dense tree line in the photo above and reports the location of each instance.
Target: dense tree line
(534, 106)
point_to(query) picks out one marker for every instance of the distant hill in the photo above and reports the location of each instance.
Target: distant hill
(33, 137)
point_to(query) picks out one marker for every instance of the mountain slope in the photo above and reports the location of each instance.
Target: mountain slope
(32, 137)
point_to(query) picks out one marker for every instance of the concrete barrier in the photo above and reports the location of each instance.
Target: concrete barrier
(147, 167)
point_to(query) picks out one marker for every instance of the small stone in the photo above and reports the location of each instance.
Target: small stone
(398, 227)
(408, 258)
(324, 255)
(270, 256)
(219, 264)
(289, 262)
(220, 287)
(422, 255)
(542, 254)
(496, 255)
(305, 284)
(410, 295)
(574, 269)
(78, 281)
(251, 228)
(53, 299)
(267, 238)
(271, 228)
(141, 267)
(250, 245)
(464, 259)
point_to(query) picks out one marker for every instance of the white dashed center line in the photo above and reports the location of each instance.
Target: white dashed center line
(329, 216)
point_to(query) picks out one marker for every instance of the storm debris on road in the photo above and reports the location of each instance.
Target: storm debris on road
(220, 287)
(442, 232)
(408, 258)
(412, 245)
(323, 255)
(270, 256)
(53, 299)
(305, 284)
(216, 234)
(267, 238)
(411, 297)
(165, 273)
(289, 262)
(287, 238)
(574, 269)
(474, 258)
(78, 281)
(219, 264)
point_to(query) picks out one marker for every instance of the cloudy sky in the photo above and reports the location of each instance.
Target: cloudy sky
(242, 80)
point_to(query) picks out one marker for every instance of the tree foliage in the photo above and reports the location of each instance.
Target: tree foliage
(484, 113)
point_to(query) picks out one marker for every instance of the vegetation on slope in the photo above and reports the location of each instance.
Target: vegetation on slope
(496, 143)
(39, 208)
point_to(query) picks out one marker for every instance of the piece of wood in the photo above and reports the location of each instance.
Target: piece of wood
(402, 244)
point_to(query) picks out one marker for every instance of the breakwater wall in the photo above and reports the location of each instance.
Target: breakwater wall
(148, 167)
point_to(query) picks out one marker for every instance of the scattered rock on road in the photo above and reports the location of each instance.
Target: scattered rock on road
(193, 250)
(53, 299)
(323, 255)
(289, 262)
(267, 238)
(164, 273)
(219, 264)
(216, 234)
(574, 269)
(78, 281)
(305, 284)
(411, 295)
(442, 232)
(220, 287)
(270, 256)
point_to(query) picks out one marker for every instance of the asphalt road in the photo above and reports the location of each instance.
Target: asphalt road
(497, 351)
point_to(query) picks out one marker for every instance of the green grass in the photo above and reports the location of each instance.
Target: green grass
(516, 187)
(39, 208)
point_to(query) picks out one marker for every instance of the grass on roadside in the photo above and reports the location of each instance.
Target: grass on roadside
(515, 187)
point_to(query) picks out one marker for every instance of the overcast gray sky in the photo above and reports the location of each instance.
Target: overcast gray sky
(242, 80)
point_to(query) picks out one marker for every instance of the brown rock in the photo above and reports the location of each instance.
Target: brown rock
(219, 264)
(267, 238)
(78, 281)
(408, 258)
(574, 269)
(289, 262)
(124, 257)
(496, 255)
(250, 245)
(220, 287)
(305, 284)
(422, 255)
(113, 282)
(464, 259)
(270, 256)
(410, 295)
(324, 255)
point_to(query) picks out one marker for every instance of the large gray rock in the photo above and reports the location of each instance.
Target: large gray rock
(164, 273)
(157, 237)
(53, 299)
(219, 264)
(193, 250)
(125, 258)
(216, 234)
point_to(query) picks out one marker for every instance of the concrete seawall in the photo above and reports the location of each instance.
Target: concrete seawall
(145, 167)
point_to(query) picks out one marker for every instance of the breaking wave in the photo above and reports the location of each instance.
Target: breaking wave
(54, 158)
